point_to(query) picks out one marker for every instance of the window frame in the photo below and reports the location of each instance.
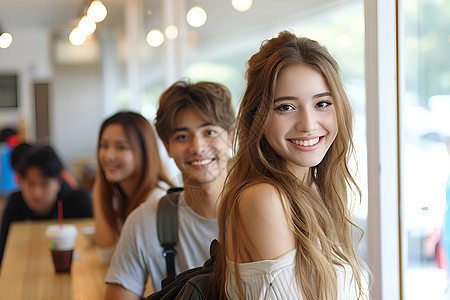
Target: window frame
(382, 117)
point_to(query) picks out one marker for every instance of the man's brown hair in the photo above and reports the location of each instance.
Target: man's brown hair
(211, 100)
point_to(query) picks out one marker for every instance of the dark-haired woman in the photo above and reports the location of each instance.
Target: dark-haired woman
(130, 172)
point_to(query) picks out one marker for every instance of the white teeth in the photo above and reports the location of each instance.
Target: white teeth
(201, 162)
(306, 142)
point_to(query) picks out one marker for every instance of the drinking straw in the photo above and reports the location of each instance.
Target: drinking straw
(60, 213)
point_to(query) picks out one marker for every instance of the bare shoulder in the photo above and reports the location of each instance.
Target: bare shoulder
(262, 197)
(265, 221)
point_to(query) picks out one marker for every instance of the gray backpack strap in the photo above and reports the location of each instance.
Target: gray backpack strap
(167, 227)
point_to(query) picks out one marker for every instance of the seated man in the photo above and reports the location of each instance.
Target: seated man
(40, 188)
(17, 158)
(195, 122)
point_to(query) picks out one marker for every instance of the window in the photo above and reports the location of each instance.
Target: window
(8, 91)
(425, 95)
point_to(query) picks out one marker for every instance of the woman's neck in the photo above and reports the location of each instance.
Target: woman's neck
(129, 187)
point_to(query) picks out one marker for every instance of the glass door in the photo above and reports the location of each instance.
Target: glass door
(424, 44)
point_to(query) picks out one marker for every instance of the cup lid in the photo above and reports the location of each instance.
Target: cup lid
(65, 230)
(88, 230)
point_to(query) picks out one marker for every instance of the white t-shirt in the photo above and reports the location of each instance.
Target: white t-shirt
(156, 194)
(275, 279)
(138, 253)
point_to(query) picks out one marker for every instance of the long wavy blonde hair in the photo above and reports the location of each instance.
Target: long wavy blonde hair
(321, 222)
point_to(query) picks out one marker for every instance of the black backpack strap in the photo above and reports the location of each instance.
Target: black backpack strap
(195, 283)
(167, 227)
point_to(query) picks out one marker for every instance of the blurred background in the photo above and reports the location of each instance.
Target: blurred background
(58, 90)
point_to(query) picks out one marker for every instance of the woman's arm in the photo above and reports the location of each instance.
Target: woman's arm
(265, 223)
(104, 236)
(115, 291)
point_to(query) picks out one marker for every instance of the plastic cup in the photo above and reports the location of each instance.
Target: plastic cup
(88, 232)
(62, 243)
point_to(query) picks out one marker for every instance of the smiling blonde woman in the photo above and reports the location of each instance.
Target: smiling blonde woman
(284, 224)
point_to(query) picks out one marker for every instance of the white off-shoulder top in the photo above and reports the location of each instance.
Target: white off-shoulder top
(275, 279)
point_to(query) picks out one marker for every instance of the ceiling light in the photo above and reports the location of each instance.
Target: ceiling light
(172, 32)
(5, 40)
(97, 11)
(87, 25)
(196, 16)
(155, 38)
(242, 5)
(77, 37)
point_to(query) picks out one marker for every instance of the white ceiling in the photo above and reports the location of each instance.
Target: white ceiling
(62, 15)
(53, 15)
(20, 14)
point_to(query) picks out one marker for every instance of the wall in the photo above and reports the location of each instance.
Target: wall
(75, 111)
(29, 58)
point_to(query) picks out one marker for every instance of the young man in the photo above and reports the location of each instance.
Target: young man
(195, 122)
(40, 188)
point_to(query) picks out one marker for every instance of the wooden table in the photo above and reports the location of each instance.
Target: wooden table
(27, 270)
